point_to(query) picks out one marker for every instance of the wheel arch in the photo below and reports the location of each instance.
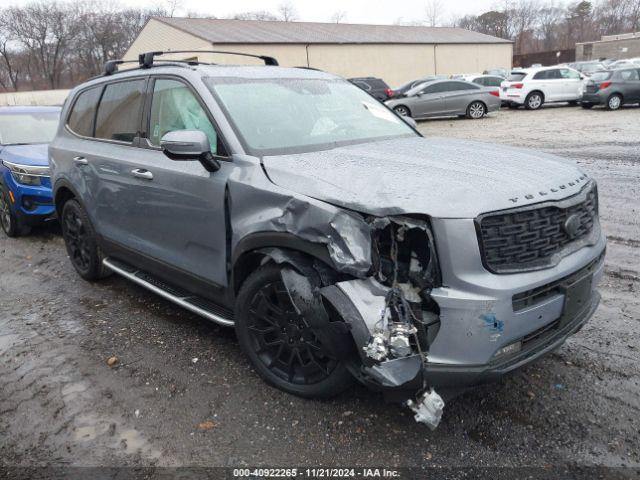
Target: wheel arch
(535, 90)
(63, 192)
(404, 106)
(279, 247)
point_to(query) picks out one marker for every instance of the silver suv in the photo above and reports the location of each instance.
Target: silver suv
(338, 241)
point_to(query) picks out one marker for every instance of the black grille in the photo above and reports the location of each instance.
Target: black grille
(529, 238)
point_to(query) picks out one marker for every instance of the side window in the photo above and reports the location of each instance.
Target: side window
(480, 81)
(629, 75)
(119, 110)
(175, 107)
(554, 75)
(83, 112)
(543, 75)
(362, 85)
(431, 89)
(493, 81)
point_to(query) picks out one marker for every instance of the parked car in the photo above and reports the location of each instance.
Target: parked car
(337, 240)
(25, 187)
(445, 98)
(375, 87)
(402, 90)
(627, 62)
(486, 80)
(532, 87)
(588, 68)
(497, 72)
(612, 88)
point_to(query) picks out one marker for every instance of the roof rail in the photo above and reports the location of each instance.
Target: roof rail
(146, 59)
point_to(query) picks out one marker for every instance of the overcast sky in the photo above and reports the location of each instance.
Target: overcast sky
(357, 11)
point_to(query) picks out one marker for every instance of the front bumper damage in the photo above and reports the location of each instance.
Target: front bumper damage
(425, 325)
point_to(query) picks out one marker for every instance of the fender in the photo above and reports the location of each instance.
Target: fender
(62, 183)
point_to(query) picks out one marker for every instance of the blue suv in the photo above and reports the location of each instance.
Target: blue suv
(25, 186)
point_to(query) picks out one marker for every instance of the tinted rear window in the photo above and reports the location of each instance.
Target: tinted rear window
(516, 76)
(119, 111)
(84, 111)
(376, 83)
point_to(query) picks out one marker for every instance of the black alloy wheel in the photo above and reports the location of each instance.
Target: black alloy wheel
(80, 240)
(280, 343)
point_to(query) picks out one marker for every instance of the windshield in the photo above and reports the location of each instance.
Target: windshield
(276, 116)
(25, 128)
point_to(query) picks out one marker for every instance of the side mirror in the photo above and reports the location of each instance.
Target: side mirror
(410, 121)
(186, 145)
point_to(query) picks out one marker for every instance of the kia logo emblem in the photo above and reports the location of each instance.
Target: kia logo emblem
(572, 225)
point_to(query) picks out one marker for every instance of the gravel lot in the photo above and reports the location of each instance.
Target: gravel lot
(183, 394)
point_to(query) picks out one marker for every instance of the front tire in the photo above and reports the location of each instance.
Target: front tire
(614, 102)
(81, 242)
(280, 344)
(476, 110)
(402, 111)
(534, 101)
(10, 222)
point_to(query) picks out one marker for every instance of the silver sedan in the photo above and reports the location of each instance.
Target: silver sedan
(445, 98)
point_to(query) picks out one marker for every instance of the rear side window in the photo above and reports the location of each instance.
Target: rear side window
(457, 86)
(493, 81)
(629, 75)
(119, 111)
(516, 76)
(377, 83)
(543, 75)
(83, 112)
(175, 107)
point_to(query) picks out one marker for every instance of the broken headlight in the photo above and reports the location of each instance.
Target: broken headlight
(404, 260)
(27, 174)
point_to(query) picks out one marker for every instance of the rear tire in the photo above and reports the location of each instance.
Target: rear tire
(586, 106)
(614, 102)
(81, 242)
(534, 101)
(280, 344)
(476, 110)
(402, 111)
(10, 222)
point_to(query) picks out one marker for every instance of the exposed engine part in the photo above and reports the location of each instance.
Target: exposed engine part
(400, 339)
(427, 408)
(377, 348)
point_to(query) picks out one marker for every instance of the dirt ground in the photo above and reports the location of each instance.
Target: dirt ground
(182, 394)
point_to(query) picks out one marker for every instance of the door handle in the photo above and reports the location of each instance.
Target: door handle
(80, 160)
(142, 173)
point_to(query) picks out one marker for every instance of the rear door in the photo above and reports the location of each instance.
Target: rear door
(548, 82)
(630, 80)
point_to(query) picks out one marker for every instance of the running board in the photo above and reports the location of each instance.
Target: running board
(193, 303)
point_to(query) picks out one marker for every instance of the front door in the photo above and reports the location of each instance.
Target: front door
(171, 211)
(429, 102)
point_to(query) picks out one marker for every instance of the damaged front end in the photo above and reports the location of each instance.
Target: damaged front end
(389, 312)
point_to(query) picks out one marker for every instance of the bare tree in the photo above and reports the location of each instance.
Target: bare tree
(338, 16)
(287, 12)
(48, 31)
(434, 12)
(256, 15)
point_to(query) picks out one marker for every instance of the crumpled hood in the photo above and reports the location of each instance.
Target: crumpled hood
(35, 155)
(440, 177)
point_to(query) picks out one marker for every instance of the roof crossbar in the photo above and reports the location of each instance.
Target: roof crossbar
(146, 59)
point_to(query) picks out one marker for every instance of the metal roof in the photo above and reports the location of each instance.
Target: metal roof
(220, 32)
